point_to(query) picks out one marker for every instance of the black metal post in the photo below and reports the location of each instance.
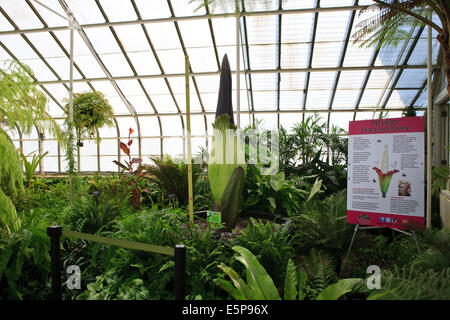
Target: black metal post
(55, 233)
(180, 271)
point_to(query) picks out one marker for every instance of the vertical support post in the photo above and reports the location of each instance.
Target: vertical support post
(55, 233)
(238, 67)
(429, 131)
(189, 147)
(180, 271)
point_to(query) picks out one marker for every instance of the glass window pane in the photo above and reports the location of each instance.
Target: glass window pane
(125, 123)
(50, 163)
(88, 163)
(51, 146)
(149, 126)
(108, 147)
(107, 164)
(341, 119)
(171, 126)
(151, 147)
(173, 147)
(118, 10)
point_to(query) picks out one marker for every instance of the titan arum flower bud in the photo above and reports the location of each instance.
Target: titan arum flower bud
(226, 168)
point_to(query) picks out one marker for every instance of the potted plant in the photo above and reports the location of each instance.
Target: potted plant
(91, 111)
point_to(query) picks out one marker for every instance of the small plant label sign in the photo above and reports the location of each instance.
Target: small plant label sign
(214, 217)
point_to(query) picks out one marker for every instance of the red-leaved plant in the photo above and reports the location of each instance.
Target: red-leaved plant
(134, 176)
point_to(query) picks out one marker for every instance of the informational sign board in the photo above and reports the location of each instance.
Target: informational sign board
(385, 176)
(214, 217)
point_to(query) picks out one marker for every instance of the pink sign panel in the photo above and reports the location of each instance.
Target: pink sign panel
(385, 175)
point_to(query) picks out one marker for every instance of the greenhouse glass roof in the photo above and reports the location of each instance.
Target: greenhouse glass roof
(297, 57)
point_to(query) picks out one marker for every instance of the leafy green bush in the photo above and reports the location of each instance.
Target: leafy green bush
(270, 243)
(323, 224)
(260, 286)
(413, 284)
(25, 261)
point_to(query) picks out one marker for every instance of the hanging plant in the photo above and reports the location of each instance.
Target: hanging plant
(91, 111)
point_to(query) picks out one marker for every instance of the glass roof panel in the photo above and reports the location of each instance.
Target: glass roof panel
(261, 29)
(184, 8)
(58, 91)
(292, 81)
(202, 59)
(345, 99)
(224, 31)
(401, 98)
(291, 100)
(153, 9)
(298, 4)
(264, 100)
(103, 40)
(46, 45)
(294, 55)
(231, 53)
(321, 80)
(332, 26)
(4, 24)
(341, 119)
(288, 120)
(351, 79)
(208, 83)
(164, 103)
(318, 99)
(172, 60)
(89, 66)
(195, 33)
(258, 5)
(262, 56)
(412, 78)
(53, 109)
(21, 14)
(50, 18)
(356, 56)
(370, 98)
(106, 88)
(269, 120)
(61, 65)
(335, 3)
(118, 10)
(326, 54)
(19, 47)
(40, 70)
(291, 24)
(144, 63)
(163, 35)
(140, 104)
(118, 105)
(116, 64)
(85, 11)
(264, 82)
(137, 43)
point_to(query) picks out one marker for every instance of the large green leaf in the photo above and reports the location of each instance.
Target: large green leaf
(290, 283)
(241, 286)
(277, 181)
(338, 289)
(231, 197)
(315, 188)
(258, 278)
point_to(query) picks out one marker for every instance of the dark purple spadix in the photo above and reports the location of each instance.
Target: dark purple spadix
(224, 102)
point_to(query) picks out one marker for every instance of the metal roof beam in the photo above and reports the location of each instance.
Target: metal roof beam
(317, 9)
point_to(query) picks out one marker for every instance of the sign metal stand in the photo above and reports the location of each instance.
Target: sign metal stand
(359, 227)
